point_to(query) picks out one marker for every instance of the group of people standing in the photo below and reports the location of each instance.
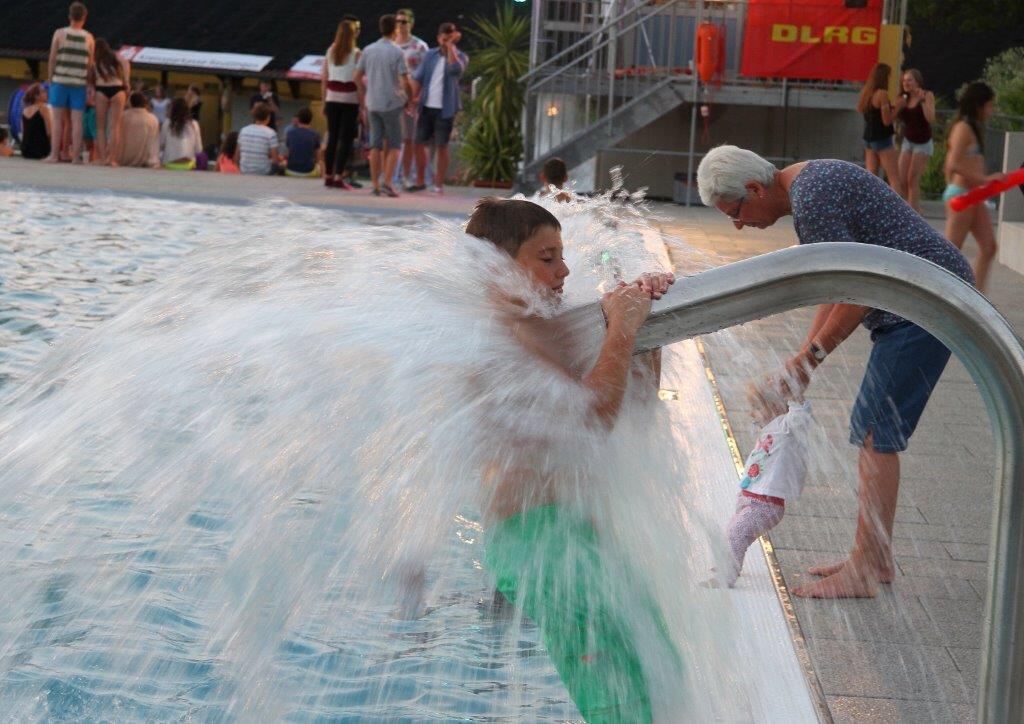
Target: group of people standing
(404, 94)
(914, 110)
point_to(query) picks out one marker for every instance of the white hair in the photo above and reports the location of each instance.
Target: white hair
(725, 170)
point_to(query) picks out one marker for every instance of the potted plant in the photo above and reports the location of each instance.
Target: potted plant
(492, 137)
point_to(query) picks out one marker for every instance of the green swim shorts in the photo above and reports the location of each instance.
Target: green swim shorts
(548, 562)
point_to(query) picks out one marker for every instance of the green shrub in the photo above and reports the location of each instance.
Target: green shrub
(1005, 73)
(492, 137)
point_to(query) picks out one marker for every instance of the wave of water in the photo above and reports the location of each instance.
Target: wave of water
(254, 490)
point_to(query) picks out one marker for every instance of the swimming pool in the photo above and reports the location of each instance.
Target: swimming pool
(203, 408)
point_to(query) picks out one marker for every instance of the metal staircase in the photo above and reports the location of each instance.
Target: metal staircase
(609, 83)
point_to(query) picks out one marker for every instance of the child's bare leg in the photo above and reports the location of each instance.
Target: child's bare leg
(752, 519)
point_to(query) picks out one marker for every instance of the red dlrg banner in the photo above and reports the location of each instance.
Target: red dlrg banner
(814, 39)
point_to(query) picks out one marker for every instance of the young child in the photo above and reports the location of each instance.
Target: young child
(226, 159)
(554, 174)
(5, 148)
(775, 472)
(544, 553)
(257, 145)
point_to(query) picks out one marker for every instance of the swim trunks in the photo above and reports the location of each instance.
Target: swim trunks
(547, 561)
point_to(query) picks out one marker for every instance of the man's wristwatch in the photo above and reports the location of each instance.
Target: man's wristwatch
(818, 353)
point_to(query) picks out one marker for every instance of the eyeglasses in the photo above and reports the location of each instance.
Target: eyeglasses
(735, 215)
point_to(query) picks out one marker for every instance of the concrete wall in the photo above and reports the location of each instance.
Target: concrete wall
(798, 133)
(1011, 209)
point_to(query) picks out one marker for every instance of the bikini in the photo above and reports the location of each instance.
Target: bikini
(952, 190)
(109, 87)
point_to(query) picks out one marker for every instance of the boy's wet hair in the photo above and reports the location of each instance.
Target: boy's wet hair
(507, 223)
(77, 11)
(555, 172)
(305, 116)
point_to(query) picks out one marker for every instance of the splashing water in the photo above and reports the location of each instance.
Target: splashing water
(260, 488)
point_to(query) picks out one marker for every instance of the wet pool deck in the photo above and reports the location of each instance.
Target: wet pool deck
(912, 653)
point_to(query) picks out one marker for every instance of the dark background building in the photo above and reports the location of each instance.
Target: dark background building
(285, 29)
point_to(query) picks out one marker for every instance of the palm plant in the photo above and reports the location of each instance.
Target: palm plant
(492, 137)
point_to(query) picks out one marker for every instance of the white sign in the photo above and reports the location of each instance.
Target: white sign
(194, 59)
(308, 67)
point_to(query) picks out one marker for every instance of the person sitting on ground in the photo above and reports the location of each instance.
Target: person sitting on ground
(436, 84)
(140, 135)
(226, 159)
(553, 177)
(180, 138)
(838, 201)
(5, 147)
(542, 551)
(303, 146)
(775, 472)
(268, 96)
(257, 145)
(36, 123)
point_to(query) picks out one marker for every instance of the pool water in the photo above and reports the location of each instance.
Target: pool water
(240, 457)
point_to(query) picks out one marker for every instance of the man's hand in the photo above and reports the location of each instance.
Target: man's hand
(655, 283)
(769, 396)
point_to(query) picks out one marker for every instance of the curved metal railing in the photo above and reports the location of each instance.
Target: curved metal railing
(955, 313)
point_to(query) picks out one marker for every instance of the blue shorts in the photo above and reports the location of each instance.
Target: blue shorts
(884, 145)
(432, 128)
(67, 96)
(905, 365)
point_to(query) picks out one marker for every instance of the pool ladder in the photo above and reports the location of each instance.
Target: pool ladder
(955, 313)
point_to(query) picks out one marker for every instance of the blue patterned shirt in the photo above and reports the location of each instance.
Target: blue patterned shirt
(840, 201)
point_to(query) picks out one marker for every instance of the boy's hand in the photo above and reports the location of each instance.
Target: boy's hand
(626, 307)
(655, 283)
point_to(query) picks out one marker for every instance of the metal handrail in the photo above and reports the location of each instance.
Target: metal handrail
(953, 311)
(595, 35)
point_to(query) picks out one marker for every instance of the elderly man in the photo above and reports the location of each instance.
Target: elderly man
(838, 201)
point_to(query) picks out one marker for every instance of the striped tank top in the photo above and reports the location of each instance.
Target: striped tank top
(72, 63)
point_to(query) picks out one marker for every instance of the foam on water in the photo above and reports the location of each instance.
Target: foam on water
(256, 490)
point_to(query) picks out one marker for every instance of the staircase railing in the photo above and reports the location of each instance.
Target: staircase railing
(594, 77)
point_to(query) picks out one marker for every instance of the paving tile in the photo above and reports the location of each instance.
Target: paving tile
(960, 624)
(939, 587)
(967, 551)
(860, 710)
(890, 618)
(911, 566)
(890, 671)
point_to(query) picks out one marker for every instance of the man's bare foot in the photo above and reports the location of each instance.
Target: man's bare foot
(847, 582)
(51, 159)
(882, 575)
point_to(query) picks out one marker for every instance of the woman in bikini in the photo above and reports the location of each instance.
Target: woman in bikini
(965, 169)
(109, 76)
